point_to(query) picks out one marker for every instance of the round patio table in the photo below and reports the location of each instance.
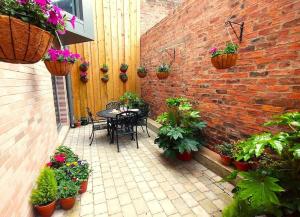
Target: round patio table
(109, 114)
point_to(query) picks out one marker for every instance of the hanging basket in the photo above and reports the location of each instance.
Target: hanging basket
(58, 68)
(224, 61)
(105, 80)
(123, 77)
(84, 79)
(21, 42)
(142, 74)
(162, 75)
(104, 70)
(84, 67)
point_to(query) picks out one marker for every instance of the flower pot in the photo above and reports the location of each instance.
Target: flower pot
(162, 75)
(224, 61)
(84, 79)
(104, 70)
(142, 74)
(83, 187)
(67, 203)
(47, 210)
(21, 42)
(105, 80)
(123, 70)
(185, 156)
(225, 160)
(58, 68)
(242, 166)
(123, 77)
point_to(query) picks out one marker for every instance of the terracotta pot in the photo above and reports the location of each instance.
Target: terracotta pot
(58, 68)
(185, 156)
(123, 70)
(83, 67)
(224, 61)
(104, 70)
(104, 80)
(225, 160)
(21, 42)
(162, 75)
(67, 203)
(142, 75)
(242, 166)
(47, 210)
(83, 187)
(84, 79)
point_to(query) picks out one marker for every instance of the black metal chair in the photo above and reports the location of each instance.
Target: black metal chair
(143, 117)
(96, 125)
(125, 123)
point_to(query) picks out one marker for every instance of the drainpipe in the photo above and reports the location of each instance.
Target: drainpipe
(70, 100)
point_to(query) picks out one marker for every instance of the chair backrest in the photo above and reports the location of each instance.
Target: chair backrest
(127, 118)
(90, 114)
(113, 105)
(144, 110)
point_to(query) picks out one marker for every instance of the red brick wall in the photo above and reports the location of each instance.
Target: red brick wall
(153, 11)
(28, 133)
(234, 102)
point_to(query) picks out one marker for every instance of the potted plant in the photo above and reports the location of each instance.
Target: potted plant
(44, 195)
(123, 67)
(80, 172)
(84, 77)
(104, 68)
(179, 134)
(60, 62)
(223, 59)
(83, 67)
(273, 189)
(105, 78)
(163, 71)
(67, 152)
(67, 191)
(142, 71)
(131, 100)
(240, 161)
(123, 77)
(225, 152)
(28, 28)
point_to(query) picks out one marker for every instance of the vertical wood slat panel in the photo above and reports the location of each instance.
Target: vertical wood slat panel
(117, 36)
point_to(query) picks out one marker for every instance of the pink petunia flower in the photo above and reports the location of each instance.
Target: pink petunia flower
(59, 158)
(72, 21)
(49, 164)
(213, 50)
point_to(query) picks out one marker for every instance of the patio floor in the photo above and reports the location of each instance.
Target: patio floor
(141, 182)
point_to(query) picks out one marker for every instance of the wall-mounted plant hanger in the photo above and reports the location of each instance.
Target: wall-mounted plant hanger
(240, 36)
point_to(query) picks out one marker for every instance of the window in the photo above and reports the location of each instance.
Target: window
(71, 6)
(55, 97)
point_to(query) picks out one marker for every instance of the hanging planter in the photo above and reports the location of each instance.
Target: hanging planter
(60, 62)
(163, 71)
(25, 39)
(224, 59)
(84, 66)
(84, 77)
(123, 77)
(123, 67)
(105, 78)
(104, 68)
(142, 72)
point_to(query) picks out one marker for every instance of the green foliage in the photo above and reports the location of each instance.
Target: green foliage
(68, 188)
(62, 174)
(131, 100)
(230, 48)
(80, 172)
(142, 70)
(124, 67)
(273, 188)
(104, 66)
(46, 189)
(164, 68)
(225, 149)
(180, 128)
(70, 155)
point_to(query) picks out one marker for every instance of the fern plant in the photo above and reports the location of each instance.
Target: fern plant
(180, 128)
(46, 188)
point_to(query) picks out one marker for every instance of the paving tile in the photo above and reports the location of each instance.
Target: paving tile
(154, 207)
(168, 207)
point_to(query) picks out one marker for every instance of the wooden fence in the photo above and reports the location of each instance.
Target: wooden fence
(117, 41)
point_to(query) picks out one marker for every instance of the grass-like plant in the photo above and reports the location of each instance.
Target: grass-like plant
(163, 68)
(142, 70)
(46, 188)
(225, 149)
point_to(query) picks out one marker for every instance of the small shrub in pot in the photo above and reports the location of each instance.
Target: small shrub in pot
(104, 68)
(142, 71)
(225, 152)
(223, 59)
(163, 71)
(67, 191)
(123, 67)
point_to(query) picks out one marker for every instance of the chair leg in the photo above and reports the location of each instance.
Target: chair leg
(118, 142)
(136, 138)
(142, 128)
(147, 128)
(93, 135)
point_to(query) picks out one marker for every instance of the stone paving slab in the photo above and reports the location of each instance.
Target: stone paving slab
(141, 182)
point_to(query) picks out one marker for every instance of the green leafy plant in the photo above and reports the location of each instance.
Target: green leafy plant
(68, 188)
(105, 77)
(123, 67)
(142, 70)
(274, 187)
(180, 128)
(123, 77)
(69, 154)
(105, 67)
(79, 171)
(131, 100)
(230, 48)
(163, 68)
(46, 188)
(225, 149)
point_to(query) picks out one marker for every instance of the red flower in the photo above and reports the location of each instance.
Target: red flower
(49, 164)
(60, 158)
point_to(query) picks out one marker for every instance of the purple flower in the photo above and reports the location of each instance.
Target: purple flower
(72, 21)
(41, 3)
(213, 50)
(22, 1)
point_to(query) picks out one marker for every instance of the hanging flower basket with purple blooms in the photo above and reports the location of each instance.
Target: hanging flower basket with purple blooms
(224, 59)
(27, 29)
(84, 66)
(60, 62)
(84, 77)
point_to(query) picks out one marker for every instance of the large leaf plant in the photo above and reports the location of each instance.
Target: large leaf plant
(180, 130)
(272, 189)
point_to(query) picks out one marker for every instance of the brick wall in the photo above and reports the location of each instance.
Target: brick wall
(28, 133)
(153, 11)
(234, 102)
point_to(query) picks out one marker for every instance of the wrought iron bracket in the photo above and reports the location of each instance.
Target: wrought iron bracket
(240, 36)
